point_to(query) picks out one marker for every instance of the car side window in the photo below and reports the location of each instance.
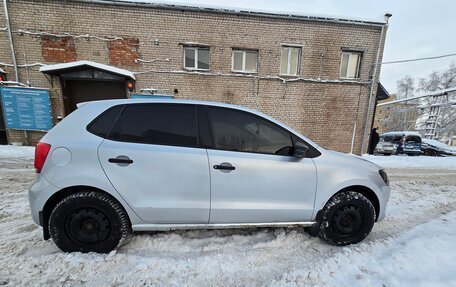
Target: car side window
(240, 131)
(161, 124)
(103, 123)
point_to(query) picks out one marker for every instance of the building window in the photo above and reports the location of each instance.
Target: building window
(196, 58)
(290, 61)
(244, 61)
(349, 66)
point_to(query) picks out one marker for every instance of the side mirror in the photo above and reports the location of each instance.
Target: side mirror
(300, 150)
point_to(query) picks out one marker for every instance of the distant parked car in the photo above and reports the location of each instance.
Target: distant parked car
(406, 142)
(385, 148)
(437, 148)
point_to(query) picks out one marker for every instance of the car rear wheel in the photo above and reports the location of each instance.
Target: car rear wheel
(88, 221)
(347, 218)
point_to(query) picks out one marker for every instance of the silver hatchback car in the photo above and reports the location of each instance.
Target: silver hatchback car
(112, 167)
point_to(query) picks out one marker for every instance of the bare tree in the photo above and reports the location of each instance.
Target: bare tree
(440, 80)
(402, 116)
(405, 87)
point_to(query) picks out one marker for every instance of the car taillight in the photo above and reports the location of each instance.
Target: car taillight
(41, 152)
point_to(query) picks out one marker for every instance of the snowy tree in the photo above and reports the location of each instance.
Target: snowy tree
(405, 87)
(402, 116)
(440, 80)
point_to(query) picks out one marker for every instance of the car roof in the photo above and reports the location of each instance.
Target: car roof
(405, 133)
(166, 100)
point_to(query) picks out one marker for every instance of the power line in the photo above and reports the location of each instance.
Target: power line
(431, 94)
(418, 59)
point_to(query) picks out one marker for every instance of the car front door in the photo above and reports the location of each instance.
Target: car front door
(254, 176)
(152, 159)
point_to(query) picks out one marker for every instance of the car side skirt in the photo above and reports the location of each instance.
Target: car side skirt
(165, 227)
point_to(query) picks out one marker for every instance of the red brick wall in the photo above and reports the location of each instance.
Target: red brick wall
(58, 49)
(123, 52)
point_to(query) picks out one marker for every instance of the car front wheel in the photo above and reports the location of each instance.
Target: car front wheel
(347, 218)
(88, 221)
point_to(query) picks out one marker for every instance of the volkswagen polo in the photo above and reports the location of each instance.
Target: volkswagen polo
(119, 166)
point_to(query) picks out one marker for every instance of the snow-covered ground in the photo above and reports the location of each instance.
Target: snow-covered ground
(10, 151)
(405, 161)
(414, 246)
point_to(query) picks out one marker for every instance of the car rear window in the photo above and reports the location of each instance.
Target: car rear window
(415, 139)
(103, 123)
(387, 138)
(162, 124)
(397, 138)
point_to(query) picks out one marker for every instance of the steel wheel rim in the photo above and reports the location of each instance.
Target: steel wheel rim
(348, 220)
(87, 226)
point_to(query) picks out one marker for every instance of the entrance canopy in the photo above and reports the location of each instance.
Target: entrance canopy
(382, 93)
(85, 81)
(72, 68)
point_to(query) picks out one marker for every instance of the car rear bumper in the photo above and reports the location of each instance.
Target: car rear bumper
(385, 151)
(38, 193)
(411, 151)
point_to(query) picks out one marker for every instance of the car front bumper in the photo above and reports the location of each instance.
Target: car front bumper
(386, 191)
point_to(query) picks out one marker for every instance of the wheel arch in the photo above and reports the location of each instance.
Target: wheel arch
(364, 190)
(368, 193)
(52, 202)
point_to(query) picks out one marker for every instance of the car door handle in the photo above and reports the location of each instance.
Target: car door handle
(224, 167)
(120, 160)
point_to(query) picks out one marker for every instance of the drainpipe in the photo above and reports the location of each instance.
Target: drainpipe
(374, 76)
(10, 35)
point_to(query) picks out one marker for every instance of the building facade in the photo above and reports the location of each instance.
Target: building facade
(316, 74)
(401, 116)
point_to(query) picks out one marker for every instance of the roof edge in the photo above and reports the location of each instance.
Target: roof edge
(240, 11)
(49, 69)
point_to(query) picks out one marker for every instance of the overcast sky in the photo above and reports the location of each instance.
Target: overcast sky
(418, 28)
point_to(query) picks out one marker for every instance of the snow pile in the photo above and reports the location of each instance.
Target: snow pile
(11, 151)
(404, 161)
(423, 256)
(439, 144)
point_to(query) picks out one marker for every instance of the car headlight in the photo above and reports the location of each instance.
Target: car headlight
(384, 176)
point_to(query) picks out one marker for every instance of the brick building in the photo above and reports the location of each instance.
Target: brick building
(316, 74)
(401, 116)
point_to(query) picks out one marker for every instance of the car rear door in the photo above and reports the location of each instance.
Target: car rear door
(254, 177)
(151, 157)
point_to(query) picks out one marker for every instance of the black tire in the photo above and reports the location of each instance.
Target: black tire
(347, 218)
(88, 221)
